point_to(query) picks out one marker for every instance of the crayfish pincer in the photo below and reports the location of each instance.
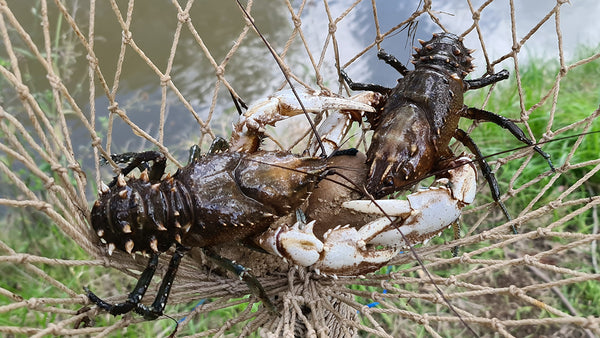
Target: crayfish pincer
(217, 198)
(413, 130)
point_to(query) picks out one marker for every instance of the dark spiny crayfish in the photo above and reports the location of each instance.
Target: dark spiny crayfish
(413, 129)
(217, 198)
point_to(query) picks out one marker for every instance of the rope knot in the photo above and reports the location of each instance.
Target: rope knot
(424, 320)
(297, 21)
(92, 60)
(56, 167)
(542, 232)
(496, 324)
(113, 107)
(529, 260)
(482, 236)
(554, 204)
(591, 322)
(73, 166)
(32, 303)
(126, 37)
(49, 183)
(96, 141)
(183, 17)
(548, 135)
(44, 207)
(501, 161)
(164, 80)
(22, 91)
(451, 280)
(54, 80)
(21, 258)
(219, 71)
(515, 291)
(332, 28)
(516, 47)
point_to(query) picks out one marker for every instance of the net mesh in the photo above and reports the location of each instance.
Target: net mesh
(540, 281)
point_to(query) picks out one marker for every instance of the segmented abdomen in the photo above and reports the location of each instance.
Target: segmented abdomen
(216, 199)
(143, 216)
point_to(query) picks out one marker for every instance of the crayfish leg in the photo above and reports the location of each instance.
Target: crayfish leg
(486, 171)
(244, 275)
(488, 80)
(133, 300)
(488, 116)
(134, 297)
(365, 86)
(218, 145)
(194, 154)
(158, 306)
(140, 160)
(392, 61)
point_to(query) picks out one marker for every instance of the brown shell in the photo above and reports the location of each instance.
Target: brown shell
(420, 117)
(219, 198)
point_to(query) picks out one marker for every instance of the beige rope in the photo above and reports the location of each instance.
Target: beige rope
(36, 145)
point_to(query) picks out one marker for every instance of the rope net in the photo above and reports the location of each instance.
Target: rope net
(58, 120)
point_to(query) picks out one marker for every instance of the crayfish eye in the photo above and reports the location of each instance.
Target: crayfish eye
(388, 182)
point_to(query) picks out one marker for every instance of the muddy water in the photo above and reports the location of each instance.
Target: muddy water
(251, 71)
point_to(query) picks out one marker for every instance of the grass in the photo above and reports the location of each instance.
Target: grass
(31, 233)
(578, 97)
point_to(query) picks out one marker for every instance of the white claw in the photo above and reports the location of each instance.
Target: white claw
(284, 104)
(383, 207)
(126, 228)
(308, 228)
(345, 251)
(154, 245)
(361, 244)
(333, 130)
(350, 251)
(326, 234)
(428, 211)
(299, 246)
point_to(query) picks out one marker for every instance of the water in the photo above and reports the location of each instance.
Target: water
(251, 70)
